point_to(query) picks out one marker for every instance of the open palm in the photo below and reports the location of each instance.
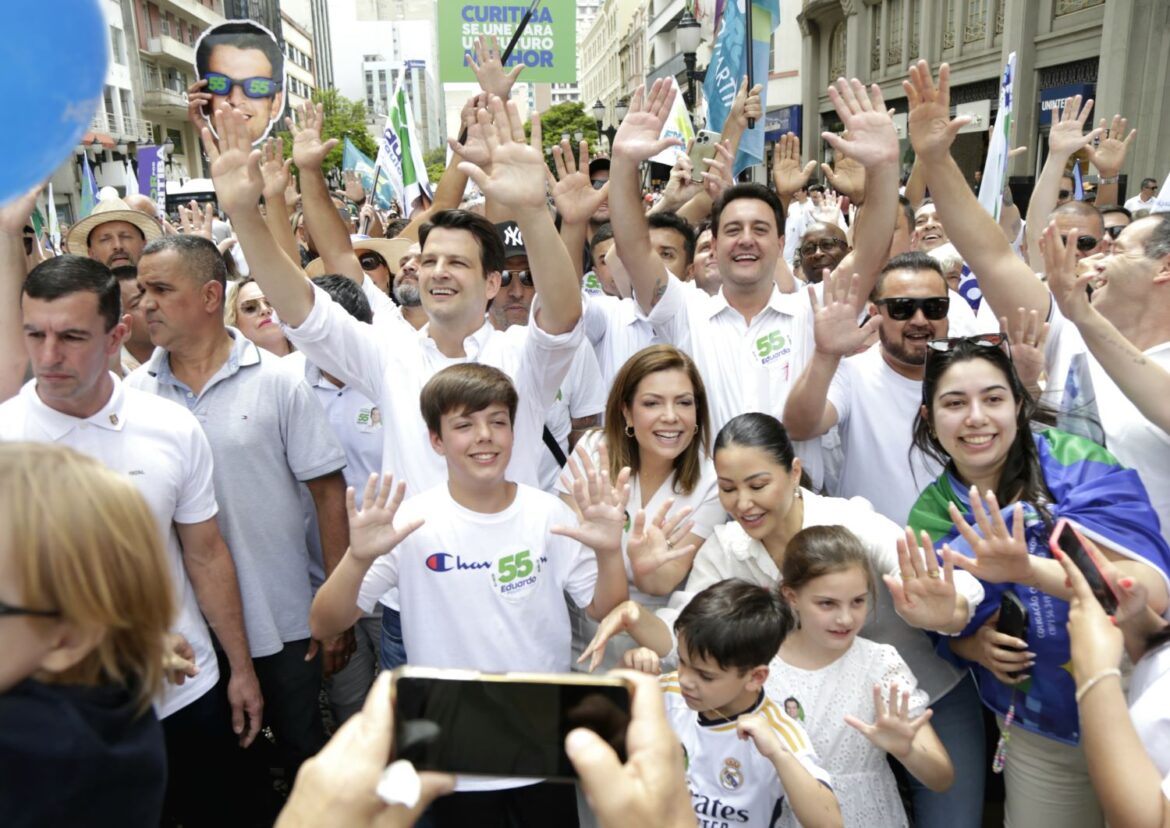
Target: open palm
(638, 136)
(371, 529)
(308, 150)
(931, 129)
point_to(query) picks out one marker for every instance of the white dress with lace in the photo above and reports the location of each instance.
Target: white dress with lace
(862, 779)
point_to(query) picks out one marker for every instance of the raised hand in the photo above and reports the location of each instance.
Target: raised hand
(846, 176)
(308, 150)
(1108, 155)
(475, 150)
(894, 730)
(924, 594)
(517, 178)
(835, 328)
(1096, 642)
(746, 104)
(1027, 338)
(601, 506)
(718, 176)
(235, 166)
(371, 530)
(15, 213)
(1060, 269)
(484, 60)
(869, 137)
(1001, 555)
(642, 659)
(931, 129)
(354, 190)
(681, 187)
(1067, 134)
(649, 546)
(275, 169)
(621, 618)
(637, 137)
(198, 104)
(196, 222)
(787, 174)
(573, 192)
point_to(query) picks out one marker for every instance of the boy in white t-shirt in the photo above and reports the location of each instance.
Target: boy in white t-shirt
(746, 758)
(482, 583)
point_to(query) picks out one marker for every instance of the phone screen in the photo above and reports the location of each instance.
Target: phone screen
(1070, 545)
(503, 728)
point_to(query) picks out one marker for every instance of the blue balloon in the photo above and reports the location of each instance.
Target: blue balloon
(55, 59)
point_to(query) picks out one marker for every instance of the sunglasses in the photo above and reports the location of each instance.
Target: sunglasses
(371, 261)
(1151, 187)
(1115, 230)
(901, 308)
(1064, 195)
(598, 183)
(1084, 243)
(218, 84)
(987, 340)
(525, 277)
(9, 609)
(825, 246)
(28, 245)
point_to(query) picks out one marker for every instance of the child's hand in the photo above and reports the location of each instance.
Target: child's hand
(621, 618)
(179, 659)
(894, 730)
(649, 547)
(756, 728)
(642, 659)
(371, 531)
(602, 507)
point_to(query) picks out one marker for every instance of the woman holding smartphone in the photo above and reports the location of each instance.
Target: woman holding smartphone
(976, 419)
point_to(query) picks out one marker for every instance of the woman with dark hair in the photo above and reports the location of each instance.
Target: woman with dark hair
(657, 424)
(976, 418)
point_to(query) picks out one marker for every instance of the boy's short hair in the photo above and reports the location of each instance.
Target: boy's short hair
(466, 389)
(604, 233)
(739, 625)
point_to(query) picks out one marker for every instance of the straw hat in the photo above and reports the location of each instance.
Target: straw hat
(391, 250)
(110, 209)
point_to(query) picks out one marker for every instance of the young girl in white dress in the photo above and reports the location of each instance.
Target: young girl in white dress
(856, 698)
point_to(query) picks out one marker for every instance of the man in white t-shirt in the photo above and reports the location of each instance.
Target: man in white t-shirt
(749, 340)
(873, 397)
(459, 272)
(1145, 198)
(72, 324)
(580, 400)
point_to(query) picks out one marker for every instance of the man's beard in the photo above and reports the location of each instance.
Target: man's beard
(898, 351)
(407, 294)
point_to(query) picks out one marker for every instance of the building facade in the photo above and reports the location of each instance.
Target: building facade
(1063, 48)
(299, 61)
(600, 76)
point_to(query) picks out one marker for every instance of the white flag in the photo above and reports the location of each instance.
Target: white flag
(400, 154)
(131, 179)
(54, 226)
(995, 168)
(678, 125)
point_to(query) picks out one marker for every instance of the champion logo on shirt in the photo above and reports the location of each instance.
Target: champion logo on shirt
(445, 562)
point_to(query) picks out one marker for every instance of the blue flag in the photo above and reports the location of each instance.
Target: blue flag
(88, 187)
(969, 287)
(353, 158)
(728, 67)
(1078, 184)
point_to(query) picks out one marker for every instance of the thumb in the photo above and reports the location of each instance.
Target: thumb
(871, 325)
(474, 173)
(314, 647)
(598, 767)
(897, 589)
(330, 144)
(808, 168)
(830, 175)
(516, 71)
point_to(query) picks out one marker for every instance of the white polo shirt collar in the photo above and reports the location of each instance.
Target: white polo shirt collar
(56, 424)
(473, 345)
(783, 303)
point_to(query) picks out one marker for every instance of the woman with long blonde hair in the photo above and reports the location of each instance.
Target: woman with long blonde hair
(85, 604)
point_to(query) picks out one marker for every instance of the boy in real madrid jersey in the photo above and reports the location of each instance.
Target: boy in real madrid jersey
(483, 580)
(746, 759)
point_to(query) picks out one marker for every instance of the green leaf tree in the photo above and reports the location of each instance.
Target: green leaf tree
(566, 118)
(436, 162)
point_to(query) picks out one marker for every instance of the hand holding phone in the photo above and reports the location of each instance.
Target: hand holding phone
(702, 147)
(1065, 538)
(508, 724)
(1013, 621)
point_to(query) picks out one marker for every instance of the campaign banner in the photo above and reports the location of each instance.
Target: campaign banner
(547, 48)
(678, 125)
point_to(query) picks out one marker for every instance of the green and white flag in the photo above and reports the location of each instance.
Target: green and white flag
(400, 154)
(678, 125)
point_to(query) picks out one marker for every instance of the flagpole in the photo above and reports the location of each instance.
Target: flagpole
(373, 189)
(750, 62)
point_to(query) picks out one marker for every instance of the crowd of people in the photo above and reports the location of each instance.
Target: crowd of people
(749, 440)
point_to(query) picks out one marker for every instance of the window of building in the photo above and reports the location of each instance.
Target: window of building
(127, 112)
(1069, 6)
(837, 51)
(915, 22)
(895, 30)
(164, 24)
(117, 46)
(975, 28)
(949, 26)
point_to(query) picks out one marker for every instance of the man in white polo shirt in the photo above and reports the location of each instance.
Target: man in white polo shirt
(72, 324)
(460, 271)
(749, 340)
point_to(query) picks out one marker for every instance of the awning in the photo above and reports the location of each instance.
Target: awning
(106, 141)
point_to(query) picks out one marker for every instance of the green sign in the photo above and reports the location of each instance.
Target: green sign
(547, 49)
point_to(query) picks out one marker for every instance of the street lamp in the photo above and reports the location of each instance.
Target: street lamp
(687, 40)
(598, 115)
(621, 108)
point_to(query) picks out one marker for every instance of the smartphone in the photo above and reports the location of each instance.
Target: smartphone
(1068, 540)
(1013, 621)
(702, 147)
(503, 724)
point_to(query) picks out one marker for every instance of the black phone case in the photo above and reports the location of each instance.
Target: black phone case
(1013, 620)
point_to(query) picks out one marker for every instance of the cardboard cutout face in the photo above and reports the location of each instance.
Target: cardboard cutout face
(244, 68)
